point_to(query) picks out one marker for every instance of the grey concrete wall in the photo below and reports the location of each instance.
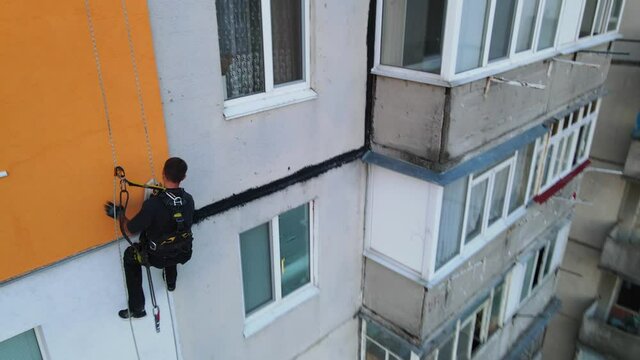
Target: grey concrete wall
(600, 198)
(622, 258)
(209, 297)
(394, 297)
(408, 116)
(227, 157)
(606, 339)
(443, 127)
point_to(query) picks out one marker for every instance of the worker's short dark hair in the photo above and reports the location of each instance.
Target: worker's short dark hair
(175, 169)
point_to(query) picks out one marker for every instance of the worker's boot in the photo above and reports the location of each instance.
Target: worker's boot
(125, 314)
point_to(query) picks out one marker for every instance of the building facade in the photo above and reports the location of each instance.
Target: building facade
(384, 179)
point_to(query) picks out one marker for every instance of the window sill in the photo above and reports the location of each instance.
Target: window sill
(263, 102)
(267, 315)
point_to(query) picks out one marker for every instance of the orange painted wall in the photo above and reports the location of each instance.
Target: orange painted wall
(53, 132)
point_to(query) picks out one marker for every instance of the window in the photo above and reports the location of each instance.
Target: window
(471, 332)
(502, 27)
(565, 146)
(276, 259)
(23, 346)
(263, 46)
(472, 34)
(588, 17)
(412, 34)
(538, 266)
(528, 20)
(614, 17)
(381, 344)
(479, 205)
(549, 26)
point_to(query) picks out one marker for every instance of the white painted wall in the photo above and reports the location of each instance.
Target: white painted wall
(227, 157)
(209, 305)
(76, 302)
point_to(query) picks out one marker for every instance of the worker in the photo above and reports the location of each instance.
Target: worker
(164, 224)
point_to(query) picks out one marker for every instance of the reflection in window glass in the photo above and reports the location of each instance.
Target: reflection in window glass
(21, 347)
(549, 25)
(475, 215)
(412, 32)
(287, 35)
(614, 18)
(389, 341)
(255, 254)
(502, 27)
(552, 247)
(464, 341)
(374, 352)
(519, 187)
(446, 351)
(527, 25)
(499, 193)
(496, 307)
(294, 249)
(528, 273)
(451, 220)
(588, 16)
(472, 33)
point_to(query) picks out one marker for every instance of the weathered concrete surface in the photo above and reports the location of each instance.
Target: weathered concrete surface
(606, 339)
(632, 162)
(444, 126)
(409, 116)
(600, 198)
(394, 297)
(621, 258)
(577, 287)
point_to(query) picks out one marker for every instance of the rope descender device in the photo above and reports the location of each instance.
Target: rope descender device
(119, 172)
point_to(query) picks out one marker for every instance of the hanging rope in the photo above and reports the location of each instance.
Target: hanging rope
(143, 117)
(107, 116)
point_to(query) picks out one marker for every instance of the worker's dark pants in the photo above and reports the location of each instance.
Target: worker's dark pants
(133, 273)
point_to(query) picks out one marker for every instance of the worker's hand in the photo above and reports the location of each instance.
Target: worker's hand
(112, 210)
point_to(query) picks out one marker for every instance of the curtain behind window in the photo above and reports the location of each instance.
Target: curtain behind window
(451, 217)
(240, 39)
(286, 33)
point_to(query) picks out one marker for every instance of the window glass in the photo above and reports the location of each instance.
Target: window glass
(614, 18)
(412, 32)
(287, 39)
(496, 308)
(600, 14)
(547, 165)
(374, 352)
(475, 213)
(446, 351)
(584, 137)
(23, 347)
(523, 167)
(294, 248)
(526, 281)
(389, 341)
(477, 331)
(558, 157)
(499, 193)
(255, 253)
(451, 219)
(527, 25)
(588, 16)
(464, 341)
(472, 33)
(549, 25)
(536, 173)
(566, 160)
(552, 247)
(502, 27)
(241, 52)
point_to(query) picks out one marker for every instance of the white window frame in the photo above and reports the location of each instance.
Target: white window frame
(560, 143)
(453, 20)
(281, 95)
(485, 306)
(531, 290)
(278, 306)
(389, 355)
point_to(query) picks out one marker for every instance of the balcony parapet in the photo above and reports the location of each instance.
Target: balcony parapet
(606, 339)
(621, 253)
